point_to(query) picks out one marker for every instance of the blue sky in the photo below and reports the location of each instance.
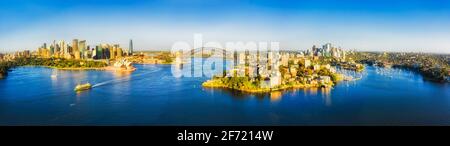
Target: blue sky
(375, 25)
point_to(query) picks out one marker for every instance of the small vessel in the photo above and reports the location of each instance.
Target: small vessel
(82, 87)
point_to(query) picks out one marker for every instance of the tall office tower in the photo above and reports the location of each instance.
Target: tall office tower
(54, 44)
(67, 49)
(119, 53)
(87, 53)
(75, 45)
(326, 49)
(116, 49)
(130, 50)
(99, 50)
(113, 52)
(314, 50)
(82, 48)
(52, 50)
(62, 48)
(235, 58)
(107, 52)
(94, 52)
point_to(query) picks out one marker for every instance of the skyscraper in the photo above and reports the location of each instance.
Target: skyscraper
(75, 45)
(99, 52)
(94, 52)
(62, 48)
(75, 50)
(130, 49)
(119, 53)
(113, 52)
(82, 48)
(327, 49)
(52, 50)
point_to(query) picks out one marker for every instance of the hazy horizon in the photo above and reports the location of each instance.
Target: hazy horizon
(372, 25)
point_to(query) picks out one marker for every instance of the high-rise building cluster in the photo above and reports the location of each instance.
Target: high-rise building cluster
(17, 54)
(79, 49)
(327, 50)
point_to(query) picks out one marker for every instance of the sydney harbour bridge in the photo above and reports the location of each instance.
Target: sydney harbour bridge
(229, 57)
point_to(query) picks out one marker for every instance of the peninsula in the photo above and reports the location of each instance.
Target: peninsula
(285, 70)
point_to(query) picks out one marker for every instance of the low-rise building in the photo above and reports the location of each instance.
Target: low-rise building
(316, 67)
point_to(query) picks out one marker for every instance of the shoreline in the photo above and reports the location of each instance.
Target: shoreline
(267, 90)
(154, 63)
(107, 68)
(209, 84)
(67, 68)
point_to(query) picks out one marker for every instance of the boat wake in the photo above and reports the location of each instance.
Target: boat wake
(124, 79)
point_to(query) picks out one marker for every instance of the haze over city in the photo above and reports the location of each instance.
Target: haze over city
(373, 25)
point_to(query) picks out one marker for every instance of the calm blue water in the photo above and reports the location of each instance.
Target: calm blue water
(152, 96)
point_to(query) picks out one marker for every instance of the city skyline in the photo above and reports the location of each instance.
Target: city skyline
(413, 26)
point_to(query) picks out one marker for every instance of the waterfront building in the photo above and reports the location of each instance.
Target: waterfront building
(316, 67)
(307, 63)
(333, 70)
(293, 71)
(275, 80)
(327, 66)
(271, 81)
(324, 79)
(123, 64)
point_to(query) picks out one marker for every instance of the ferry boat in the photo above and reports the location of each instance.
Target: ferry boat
(83, 87)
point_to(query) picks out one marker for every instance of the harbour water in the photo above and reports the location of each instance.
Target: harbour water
(153, 96)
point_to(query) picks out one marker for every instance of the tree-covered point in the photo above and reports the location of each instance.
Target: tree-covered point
(240, 82)
(4, 67)
(165, 56)
(59, 63)
(435, 67)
